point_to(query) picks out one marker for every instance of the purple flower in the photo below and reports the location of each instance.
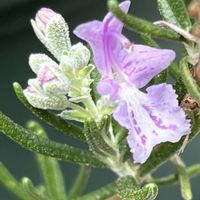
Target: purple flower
(152, 117)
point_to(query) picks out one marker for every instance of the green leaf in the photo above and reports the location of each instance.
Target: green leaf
(148, 192)
(44, 146)
(141, 25)
(148, 40)
(80, 182)
(50, 168)
(175, 12)
(31, 190)
(7, 179)
(126, 188)
(129, 190)
(192, 171)
(96, 76)
(183, 178)
(188, 80)
(187, 2)
(94, 134)
(164, 151)
(101, 193)
(180, 88)
(53, 120)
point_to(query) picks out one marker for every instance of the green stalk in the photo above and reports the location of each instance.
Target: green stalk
(50, 169)
(32, 142)
(7, 179)
(141, 25)
(183, 178)
(101, 193)
(188, 80)
(192, 171)
(80, 182)
(31, 190)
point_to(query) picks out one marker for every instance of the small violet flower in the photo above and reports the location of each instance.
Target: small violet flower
(152, 117)
(52, 30)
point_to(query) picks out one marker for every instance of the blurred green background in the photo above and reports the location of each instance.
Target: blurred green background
(17, 41)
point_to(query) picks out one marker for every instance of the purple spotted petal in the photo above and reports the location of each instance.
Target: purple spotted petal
(145, 62)
(152, 118)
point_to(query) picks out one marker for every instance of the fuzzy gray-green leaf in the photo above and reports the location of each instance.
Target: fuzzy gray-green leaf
(175, 12)
(53, 120)
(44, 146)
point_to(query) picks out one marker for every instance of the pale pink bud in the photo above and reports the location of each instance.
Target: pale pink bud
(43, 17)
(52, 30)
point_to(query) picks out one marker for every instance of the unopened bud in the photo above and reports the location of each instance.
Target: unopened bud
(52, 30)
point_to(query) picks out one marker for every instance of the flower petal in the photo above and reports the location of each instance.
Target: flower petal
(104, 39)
(91, 32)
(112, 22)
(108, 87)
(151, 118)
(144, 62)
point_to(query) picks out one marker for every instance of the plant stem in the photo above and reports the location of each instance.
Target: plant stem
(7, 179)
(192, 171)
(183, 177)
(140, 25)
(31, 190)
(80, 182)
(50, 168)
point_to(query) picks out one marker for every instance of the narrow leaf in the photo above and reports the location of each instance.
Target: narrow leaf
(94, 135)
(148, 192)
(50, 168)
(80, 182)
(175, 12)
(192, 171)
(55, 121)
(96, 76)
(126, 188)
(44, 146)
(141, 25)
(101, 193)
(188, 80)
(31, 190)
(183, 178)
(148, 40)
(7, 179)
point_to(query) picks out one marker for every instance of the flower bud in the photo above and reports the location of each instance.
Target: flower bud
(81, 54)
(41, 62)
(75, 60)
(43, 17)
(50, 83)
(52, 30)
(41, 99)
(49, 89)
